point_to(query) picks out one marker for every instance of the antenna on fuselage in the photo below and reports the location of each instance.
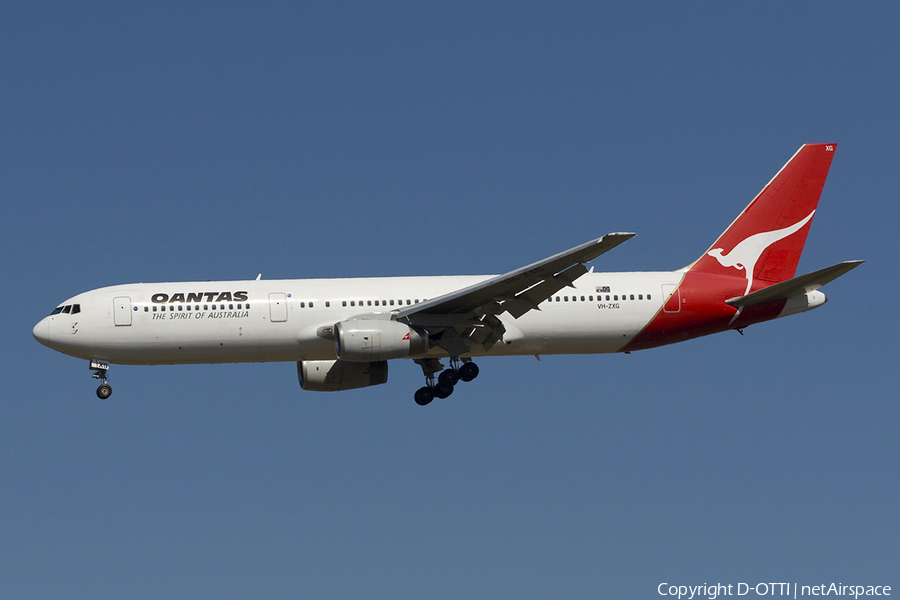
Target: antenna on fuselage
(258, 277)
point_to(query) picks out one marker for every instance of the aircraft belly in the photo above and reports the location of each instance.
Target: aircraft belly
(579, 329)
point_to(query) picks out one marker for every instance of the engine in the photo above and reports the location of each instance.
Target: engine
(339, 375)
(360, 340)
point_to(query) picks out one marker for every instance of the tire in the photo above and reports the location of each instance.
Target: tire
(448, 377)
(443, 391)
(104, 391)
(424, 396)
(468, 371)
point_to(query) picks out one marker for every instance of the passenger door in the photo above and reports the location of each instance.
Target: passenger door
(278, 312)
(122, 311)
(671, 297)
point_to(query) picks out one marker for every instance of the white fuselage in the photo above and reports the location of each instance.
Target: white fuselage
(278, 320)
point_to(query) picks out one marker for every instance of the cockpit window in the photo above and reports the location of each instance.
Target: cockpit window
(67, 309)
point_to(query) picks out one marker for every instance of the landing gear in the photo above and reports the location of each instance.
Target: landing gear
(443, 391)
(448, 378)
(446, 381)
(468, 371)
(100, 367)
(424, 395)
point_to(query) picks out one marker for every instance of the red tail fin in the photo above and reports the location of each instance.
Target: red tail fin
(767, 238)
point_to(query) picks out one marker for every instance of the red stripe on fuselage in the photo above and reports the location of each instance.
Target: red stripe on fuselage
(703, 311)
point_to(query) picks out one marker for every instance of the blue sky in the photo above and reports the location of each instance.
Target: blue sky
(173, 142)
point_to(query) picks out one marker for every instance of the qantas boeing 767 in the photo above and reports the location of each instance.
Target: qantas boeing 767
(342, 332)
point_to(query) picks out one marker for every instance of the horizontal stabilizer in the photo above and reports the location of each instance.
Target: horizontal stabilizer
(798, 285)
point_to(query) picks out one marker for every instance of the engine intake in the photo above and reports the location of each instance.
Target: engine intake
(359, 340)
(339, 375)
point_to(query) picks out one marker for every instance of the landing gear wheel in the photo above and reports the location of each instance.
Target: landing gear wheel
(104, 391)
(468, 371)
(443, 391)
(448, 377)
(424, 396)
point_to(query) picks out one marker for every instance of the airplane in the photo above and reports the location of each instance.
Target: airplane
(342, 332)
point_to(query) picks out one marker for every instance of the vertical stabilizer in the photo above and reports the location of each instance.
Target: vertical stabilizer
(767, 238)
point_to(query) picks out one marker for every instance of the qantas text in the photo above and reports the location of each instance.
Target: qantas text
(200, 297)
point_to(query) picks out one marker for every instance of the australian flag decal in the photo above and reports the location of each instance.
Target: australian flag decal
(601, 289)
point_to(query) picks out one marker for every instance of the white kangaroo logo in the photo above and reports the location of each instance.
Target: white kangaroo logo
(745, 254)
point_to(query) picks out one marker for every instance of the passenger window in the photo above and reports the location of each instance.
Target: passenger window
(196, 307)
(146, 309)
(616, 297)
(557, 298)
(392, 302)
(640, 296)
(369, 303)
(590, 298)
(632, 296)
(154, 309)
(582, 298)
(310, 304)
(231, 307)
(327, 304)
(188, 307)
(376, 303)
(205, 307)
(303, 305)
(214, 307)
(407, 302)
(648, 297)
(180, 308)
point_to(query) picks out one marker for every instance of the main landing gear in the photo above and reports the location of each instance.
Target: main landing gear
(447, 379)
(100, 367)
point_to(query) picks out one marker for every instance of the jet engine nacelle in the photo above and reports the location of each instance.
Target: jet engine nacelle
(360, 340)
(339, 375)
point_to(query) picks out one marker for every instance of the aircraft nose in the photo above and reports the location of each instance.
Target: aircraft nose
(41, 331)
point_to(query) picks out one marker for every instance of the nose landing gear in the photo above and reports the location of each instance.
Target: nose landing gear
(100, 367)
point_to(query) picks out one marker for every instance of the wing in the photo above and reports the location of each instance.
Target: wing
(456, 320)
